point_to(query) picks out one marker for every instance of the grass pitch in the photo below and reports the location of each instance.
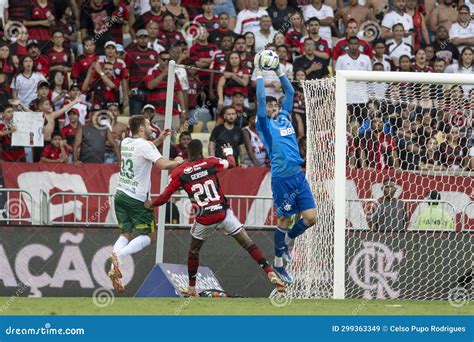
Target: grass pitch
(223, 306)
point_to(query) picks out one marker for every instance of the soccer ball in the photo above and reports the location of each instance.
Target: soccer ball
(269, 60)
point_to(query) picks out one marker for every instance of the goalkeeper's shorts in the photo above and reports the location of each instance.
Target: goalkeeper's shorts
(292, 195)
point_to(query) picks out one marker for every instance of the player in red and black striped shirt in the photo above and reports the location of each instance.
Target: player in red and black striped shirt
(139, 60)
(207, 20)
(201, 54)
(156, 82)
(198, 177)
(85, 61)
(59, 58)
(39, 19)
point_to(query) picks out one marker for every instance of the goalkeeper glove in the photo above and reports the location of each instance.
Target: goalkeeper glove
(258, 67)
(279, 70)
(228, 151)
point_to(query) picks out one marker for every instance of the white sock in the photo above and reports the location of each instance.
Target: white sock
(136, 245)
(121, 243)
(278, 262)
(287, 239)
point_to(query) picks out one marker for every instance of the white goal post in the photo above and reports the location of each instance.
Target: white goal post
(329, 115)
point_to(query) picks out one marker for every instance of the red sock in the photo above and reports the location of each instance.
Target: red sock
(193, 265)
(257, 255)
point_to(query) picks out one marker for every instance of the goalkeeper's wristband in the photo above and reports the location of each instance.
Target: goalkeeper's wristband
(279, 70)
(228, 151)
(259, 72)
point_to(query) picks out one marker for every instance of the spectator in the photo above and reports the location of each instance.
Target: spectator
(430, 55)
(103, 83)
(265, 34)
(284, 53)
(179, 12)
(249, 18)
(461, 33)
(58, 89)
(313, 65)
(420, 62)
(219, 62)
(439, 65)
(91, 139)
(354, 60)
(207, 19)
(155, 13)
(255, 151)
(465, 66)
(227, 133)
(299, 106)
(95, 22)
(379, 150)
(226, 6)
(280, 12)
(398, 16)
(389, 213)
(25, 82)
(434, 217)
(430, 157)
(201, 54)
(246, 59)
(453, 152)
(235, 78)
(398, 47)
(342, 45)
(39, 18)
(222, 30)
(243, 112)
(193, 7)
(420, 31)
(181, 149)
(59, 58)
(250, 42)
(139, 60)
(443, 15)
(322, 49)
(41, 62)
(75, 92)
(17, 8)
(6, 64)
(404, 64)
(156, 82)
(56, 151)
(380, 56)
(443, 46)
(84, 62)
(324, 14)
(155, 41)
(5, 90)
(295, 33)
(168, 33)
(69, 131)
(354, 13)
(66, 24)
(9, 153)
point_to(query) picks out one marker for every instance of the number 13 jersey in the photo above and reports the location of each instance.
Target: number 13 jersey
(137, 158)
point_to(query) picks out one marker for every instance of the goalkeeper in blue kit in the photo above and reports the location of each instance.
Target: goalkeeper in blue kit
(291, 192)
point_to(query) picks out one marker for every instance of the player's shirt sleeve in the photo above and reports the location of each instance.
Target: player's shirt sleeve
(221, 164)
(173, 185)
(150, 152)
(288, 100)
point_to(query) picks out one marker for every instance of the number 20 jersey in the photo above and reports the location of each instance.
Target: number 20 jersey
(199, 180)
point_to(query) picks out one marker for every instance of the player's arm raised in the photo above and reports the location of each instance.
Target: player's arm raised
(171, 188)
(165, 164)
(287, 105)
(261, 96)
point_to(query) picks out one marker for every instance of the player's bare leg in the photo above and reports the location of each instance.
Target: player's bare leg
(246, 242)
(193, 265)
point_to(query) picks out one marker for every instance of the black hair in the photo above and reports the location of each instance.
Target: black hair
(195, 149)
(271, 99)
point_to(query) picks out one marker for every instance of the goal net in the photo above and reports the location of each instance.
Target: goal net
(389, 161)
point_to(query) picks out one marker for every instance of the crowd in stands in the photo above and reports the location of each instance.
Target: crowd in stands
(88, 64)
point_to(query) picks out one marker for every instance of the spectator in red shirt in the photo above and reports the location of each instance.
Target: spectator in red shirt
(6, 65)
(246, 59)
(295, 33)
(9, 152)
(181, 149)
(155, 14)
(168, 33)
(218, 34)
(219, 61)
(56, 151)
(139, 60)
(39, 19)
(84, 62)
(207, 19)
(201, 54)
(156, 82)
(69, 132)
(420, 62)
(40, 61)
(342, 45)
(59, 58)
(19, 48)
(104, 84)
(235, 79)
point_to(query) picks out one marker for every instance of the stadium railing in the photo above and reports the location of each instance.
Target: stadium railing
(16, 207)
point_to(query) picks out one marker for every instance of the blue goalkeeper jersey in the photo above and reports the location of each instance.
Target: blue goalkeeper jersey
(278, 135)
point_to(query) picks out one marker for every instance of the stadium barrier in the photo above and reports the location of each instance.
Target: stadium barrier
(13, 204)
(64, 261)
